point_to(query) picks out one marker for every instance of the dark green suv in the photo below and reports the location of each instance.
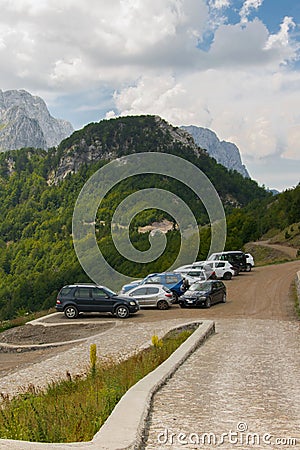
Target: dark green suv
(76, 298)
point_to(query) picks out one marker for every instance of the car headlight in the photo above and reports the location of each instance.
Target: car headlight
(132, 303)
(202, 298)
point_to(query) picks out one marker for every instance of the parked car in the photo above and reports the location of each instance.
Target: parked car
(198, 265)
(170, 280)
(76, 298)
(152, 295)
(250, 261)
(204, 293)
(222, 269)
(236, 258)
(193, 275)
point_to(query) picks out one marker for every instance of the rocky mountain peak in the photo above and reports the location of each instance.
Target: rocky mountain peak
(225, 153)
(115, 138)
(26, 122)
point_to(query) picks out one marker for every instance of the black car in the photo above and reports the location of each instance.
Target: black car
(204, 293)
(76, 298)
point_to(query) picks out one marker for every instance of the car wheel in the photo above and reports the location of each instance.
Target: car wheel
(224, 298)
(248, 268)
(162, 304)
(227, 276)
(175, 297)
(122, 312)
(71, 312)
(208, 303)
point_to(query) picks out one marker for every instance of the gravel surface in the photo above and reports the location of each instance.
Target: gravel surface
(260, 294)
(40, 334)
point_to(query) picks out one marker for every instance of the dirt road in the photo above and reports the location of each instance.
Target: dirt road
(263, 293)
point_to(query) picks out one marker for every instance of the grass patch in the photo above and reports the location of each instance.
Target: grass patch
(265, 255)
(74, 410)
(289, 236)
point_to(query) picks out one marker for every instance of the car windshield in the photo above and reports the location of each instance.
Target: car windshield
(200, 287)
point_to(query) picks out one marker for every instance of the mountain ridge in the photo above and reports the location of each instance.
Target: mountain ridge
(26, 122)
(224, 152)
(103, 140)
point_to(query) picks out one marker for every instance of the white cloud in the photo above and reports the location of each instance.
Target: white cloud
(239, 83)
(247, 108)
(281, 39)
(70, 44)
(219, 4)
(241, 46)
(248, 5)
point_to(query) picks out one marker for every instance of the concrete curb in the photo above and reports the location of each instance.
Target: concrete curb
(124, 428)
(41, 321)
(298, 286)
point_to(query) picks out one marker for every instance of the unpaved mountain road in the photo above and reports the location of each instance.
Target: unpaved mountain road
(263, 293)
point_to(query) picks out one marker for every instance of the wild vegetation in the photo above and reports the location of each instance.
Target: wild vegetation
(37, 256)
(79, 407)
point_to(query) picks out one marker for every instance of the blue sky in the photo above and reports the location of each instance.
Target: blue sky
(229, 65)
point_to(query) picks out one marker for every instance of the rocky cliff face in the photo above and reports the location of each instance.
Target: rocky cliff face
(225, 153)
(115, 138)
(26, 122)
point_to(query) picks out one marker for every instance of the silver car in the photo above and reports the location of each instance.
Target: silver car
(155, 295)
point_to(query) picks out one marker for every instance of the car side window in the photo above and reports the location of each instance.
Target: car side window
(171, 279)
(152, 290)
(65, 291)
(82, 293)
(98, 293)
(154, 280)
(140, 291)
(220, 264)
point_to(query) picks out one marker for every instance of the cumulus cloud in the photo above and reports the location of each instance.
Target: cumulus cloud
(181, 59)
(65, 44)
(243, 107)
(219, 4)
(281, 39)
(248, 5)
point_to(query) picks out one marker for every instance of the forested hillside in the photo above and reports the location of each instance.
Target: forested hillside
(39, 190)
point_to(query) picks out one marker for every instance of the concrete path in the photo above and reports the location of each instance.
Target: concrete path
(244, 380)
